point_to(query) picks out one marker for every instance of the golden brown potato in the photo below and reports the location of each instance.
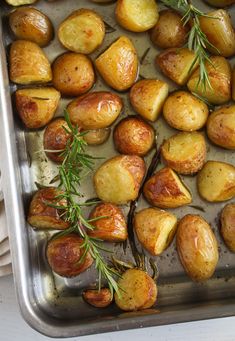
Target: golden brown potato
(148, 96)
(221, 127)
(95, 110)
(113, 228)
(55, 139)
(41, 215)
(185, 152)
(216, 181)
(23, 69)
(233, 83)
(219, 73)
(118, 65)
(133, 136)
(98, 298)
(197, 247)
(177, 64)
(165, 190)
(220, 3)
(137, 15)
(118, 180)
(30, 24)
(36, 106)
(155, 229)
(139, 291)
(65, 255)
(228, 226)
(169, 31)
(82, 31)
(20, 2)
(73, 74)
(185, 112)
(97, 136)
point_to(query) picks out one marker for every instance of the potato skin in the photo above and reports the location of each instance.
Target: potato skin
(30, 24)
(233, 84)
(73, 74)
(197, 247)
(36, 106)
(221, 127)
(98, 298)
(185, 152)
(169, 31)
(42, 216)
(133, 136)
(23, 69)
(165, 190)
(113, 228)
(155, 229)
(82, 31)
(118, 65)
(95, 110)
(185, 112)
(97, 136)
(227, 229)
(64, 253)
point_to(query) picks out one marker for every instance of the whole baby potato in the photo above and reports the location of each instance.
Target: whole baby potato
(216, 181)
(20, 2)
(185, 112)
(73, 74)
(133, 136)
(98, 298)
(220, 3)
(95, 110)
(118, 180)
(228, 226)
(30, 24)
(155, 229)
(97, 136)
(197, 247)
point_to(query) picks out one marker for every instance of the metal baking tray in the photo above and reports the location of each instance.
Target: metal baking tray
(51, 304)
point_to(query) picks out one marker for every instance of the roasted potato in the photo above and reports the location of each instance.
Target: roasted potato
(97, 136)
(82, 31)
(165, 190)
(133, 136)
(98, 298)
(20, 2)
(36, 106)
(95, 110)
(112, 227)
(41, 215)
(228, 226)
(73, 74)
(30, 24)
(185, 152)
(177, 64)
(155, 229)
(139, 291)
(220, 3)
(55, 139)
(197, 247)
(216, 181)
(118, 65)
(185, 112)
(169, 31)
(65, 255)
(221, 127)
(147, 97)
(219, 73)
(137, 15)
(118, 180)
(233, 83)
(23, 69)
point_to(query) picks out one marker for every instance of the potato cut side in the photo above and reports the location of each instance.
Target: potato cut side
(20, 2)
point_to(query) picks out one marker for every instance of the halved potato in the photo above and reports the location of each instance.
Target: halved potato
(220, 3)
(20, 2)
(97, 136)
(137, 15)
(139, 291)
(185, 152)
(23, 68)
(98, 298)
(155, 229)
(36, 106)
(165, 190)
(216, 181)
(177, 64)
(118, 180)
(219, 73)
(228, 226)
(118, 65)
(82, 31)
(148, 96)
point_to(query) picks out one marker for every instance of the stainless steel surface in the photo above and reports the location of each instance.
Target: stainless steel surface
(53, 305)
